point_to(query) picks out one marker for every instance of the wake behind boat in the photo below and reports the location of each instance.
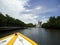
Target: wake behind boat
(16, 39)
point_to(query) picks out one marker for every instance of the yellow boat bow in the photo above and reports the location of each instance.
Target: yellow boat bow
(16, 39)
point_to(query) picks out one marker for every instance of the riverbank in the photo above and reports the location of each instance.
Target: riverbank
(11, 28)
(52, 28)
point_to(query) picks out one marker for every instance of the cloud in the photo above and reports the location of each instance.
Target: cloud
(14, 8)
(38, 8)
(28, 18)
(17, 9)
(43, 17)
(35, 10)
(44, 20)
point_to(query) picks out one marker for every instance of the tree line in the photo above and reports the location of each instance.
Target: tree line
(52, 23)
(7, 21)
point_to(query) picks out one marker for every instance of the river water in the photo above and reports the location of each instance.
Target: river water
(40, 35)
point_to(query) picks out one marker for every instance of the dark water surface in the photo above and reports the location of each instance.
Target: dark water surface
(39, 35)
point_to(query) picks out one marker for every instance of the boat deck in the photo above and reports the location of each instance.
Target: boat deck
(16, 39)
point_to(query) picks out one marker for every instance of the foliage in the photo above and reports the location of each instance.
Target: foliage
(30, 25)
(7, 21)
(53, 22)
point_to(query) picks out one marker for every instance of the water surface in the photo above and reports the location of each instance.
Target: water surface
(40, 35)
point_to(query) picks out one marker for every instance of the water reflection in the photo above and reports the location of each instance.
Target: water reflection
(40, 35)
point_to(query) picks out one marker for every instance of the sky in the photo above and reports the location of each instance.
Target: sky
(30, 11)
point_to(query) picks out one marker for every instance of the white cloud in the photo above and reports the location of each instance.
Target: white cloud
(35, 10)
(41, 10)
(44, 20)
(28, 10)
(38, 8)
(29, 18)
(15, 7)
(43, 17)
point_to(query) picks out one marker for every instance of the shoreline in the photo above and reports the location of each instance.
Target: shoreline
(11, 28)
(52, 28)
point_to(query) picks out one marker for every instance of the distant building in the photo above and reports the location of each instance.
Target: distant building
(39, 24)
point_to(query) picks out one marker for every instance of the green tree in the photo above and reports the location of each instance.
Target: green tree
(30, 25)
(7, 21)
(53, 22)
(2, 20)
